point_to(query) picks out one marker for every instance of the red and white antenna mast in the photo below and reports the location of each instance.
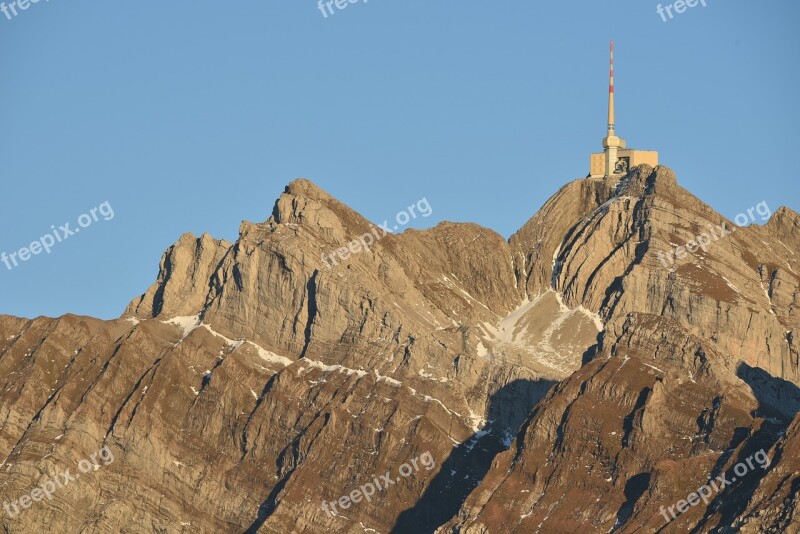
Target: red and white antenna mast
(611, 94)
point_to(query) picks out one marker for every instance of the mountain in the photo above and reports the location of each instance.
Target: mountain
(579, 376)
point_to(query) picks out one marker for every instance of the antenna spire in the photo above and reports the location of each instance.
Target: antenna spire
(611, 93)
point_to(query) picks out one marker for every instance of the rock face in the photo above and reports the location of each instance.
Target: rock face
(578, 376)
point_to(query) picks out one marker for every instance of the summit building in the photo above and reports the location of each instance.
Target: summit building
(616, 157)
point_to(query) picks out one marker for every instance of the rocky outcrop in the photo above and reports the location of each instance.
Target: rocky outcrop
(319, 352)
(695, 348)
(186, 267)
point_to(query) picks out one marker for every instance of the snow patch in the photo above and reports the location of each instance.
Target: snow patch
(328, 368)
(654, 367)
(232, 344)
(388, 380)
(186, 324)
(271, 357)
(598, 322)
(730, 285)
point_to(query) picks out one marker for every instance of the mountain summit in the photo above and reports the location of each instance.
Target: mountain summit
(624, 346)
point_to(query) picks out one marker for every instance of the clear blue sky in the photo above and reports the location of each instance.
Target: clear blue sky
(190, 115)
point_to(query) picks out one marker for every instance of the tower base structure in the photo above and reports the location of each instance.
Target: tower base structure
(619, 161)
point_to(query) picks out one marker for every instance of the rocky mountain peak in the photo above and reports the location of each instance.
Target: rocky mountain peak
(267, 373)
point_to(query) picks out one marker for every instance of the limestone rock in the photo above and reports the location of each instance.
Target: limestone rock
(577, 377)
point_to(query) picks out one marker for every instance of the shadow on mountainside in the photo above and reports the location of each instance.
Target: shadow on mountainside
(776, 397)
(779, 402)
(635, 487)
(469, 462)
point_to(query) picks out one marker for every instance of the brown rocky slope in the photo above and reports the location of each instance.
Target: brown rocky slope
(251, 381)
